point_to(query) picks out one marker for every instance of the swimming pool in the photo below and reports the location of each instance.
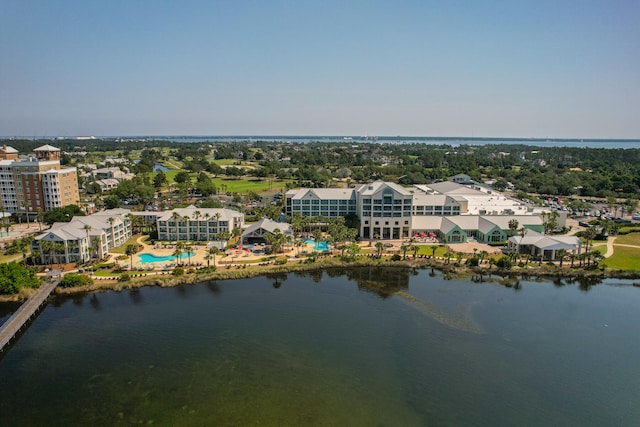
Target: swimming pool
(147, 258)
(318, 246)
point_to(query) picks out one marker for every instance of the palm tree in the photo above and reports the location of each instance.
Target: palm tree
(513, 226)
(175, 216)
(40, 216)
(177, 253)
(483, 254)
(522, 231)
(131, 250)
(433, 250)
(196, 216)
(589, 234)
(111, 220)
(179, 249)
(561, 254)
(211, 253)
(188, 248)
(206, 218)
(448, 256)
(235, 233)
(70, 247)
(404, 249)
(379, 248)
(27, 207)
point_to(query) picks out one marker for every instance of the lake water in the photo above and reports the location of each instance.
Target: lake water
(370, 346)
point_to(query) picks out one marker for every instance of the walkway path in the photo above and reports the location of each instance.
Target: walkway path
(12, 326)
(610, 241)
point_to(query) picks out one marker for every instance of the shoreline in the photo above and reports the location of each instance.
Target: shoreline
(224, 273)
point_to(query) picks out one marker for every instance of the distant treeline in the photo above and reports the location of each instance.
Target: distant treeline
(564, 171)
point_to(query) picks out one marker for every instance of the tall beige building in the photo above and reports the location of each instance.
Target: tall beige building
(36, 182)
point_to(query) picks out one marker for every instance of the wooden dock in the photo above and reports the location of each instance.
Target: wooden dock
(12, 327)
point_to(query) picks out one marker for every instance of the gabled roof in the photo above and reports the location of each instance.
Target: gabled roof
(8, 149)
(46, 147)
(378, 186)
(322, 193)
(268, 225)
(545, 242)
(225, 214)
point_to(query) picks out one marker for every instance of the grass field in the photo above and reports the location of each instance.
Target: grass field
(132, 241)
(629, 239)
(240, 185)
(624, 259)
(245, 185)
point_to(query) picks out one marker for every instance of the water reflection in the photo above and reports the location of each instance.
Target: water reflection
(136, 296)
(95, 302)
(277, 279)
(384, 282)
(214, 288)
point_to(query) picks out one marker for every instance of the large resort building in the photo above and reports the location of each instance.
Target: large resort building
(29, 184)
(452, 211)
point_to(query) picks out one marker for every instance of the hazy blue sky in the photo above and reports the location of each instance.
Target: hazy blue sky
(439, 68)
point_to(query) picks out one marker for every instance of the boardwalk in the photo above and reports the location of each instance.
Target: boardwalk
(12, 326)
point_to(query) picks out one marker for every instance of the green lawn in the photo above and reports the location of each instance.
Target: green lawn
(426, 250)
(245, 185)
(120, 249)
(629, 239)
(8, 258)
(624, 258)
(241, 185)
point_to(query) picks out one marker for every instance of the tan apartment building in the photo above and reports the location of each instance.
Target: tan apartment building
(36, 182)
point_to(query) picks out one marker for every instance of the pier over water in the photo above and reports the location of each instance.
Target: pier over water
(12, 327)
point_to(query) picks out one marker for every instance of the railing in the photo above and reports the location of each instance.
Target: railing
(12, 327)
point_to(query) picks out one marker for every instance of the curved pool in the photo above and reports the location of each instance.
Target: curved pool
(318, 246)
(147, 258)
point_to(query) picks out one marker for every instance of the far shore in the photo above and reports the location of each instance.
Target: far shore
(238, 272)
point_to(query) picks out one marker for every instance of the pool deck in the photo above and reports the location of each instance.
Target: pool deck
(223, 258)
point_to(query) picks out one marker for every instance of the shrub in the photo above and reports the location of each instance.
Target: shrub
(281, 261)
(105, 265)
(396, 257)
(178, 271)
(124, 277)
(73, 280)
(504, 262)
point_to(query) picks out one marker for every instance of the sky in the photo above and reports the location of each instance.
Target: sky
(540, 69)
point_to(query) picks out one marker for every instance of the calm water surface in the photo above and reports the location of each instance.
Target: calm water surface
(365, 347)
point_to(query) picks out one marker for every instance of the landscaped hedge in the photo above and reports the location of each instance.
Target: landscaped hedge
(72, 280)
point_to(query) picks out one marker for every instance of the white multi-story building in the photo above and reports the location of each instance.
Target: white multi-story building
(390, 211)
(83, 238)
(197, 224)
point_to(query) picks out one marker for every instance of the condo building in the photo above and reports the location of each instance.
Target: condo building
(37, 182)
(83, 238)
(197, 224)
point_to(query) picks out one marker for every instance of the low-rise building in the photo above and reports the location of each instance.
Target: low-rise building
(255, 233)
(83, 238)
(197, 224)
(536, 244)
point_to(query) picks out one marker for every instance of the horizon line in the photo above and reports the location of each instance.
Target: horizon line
(359, 137)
